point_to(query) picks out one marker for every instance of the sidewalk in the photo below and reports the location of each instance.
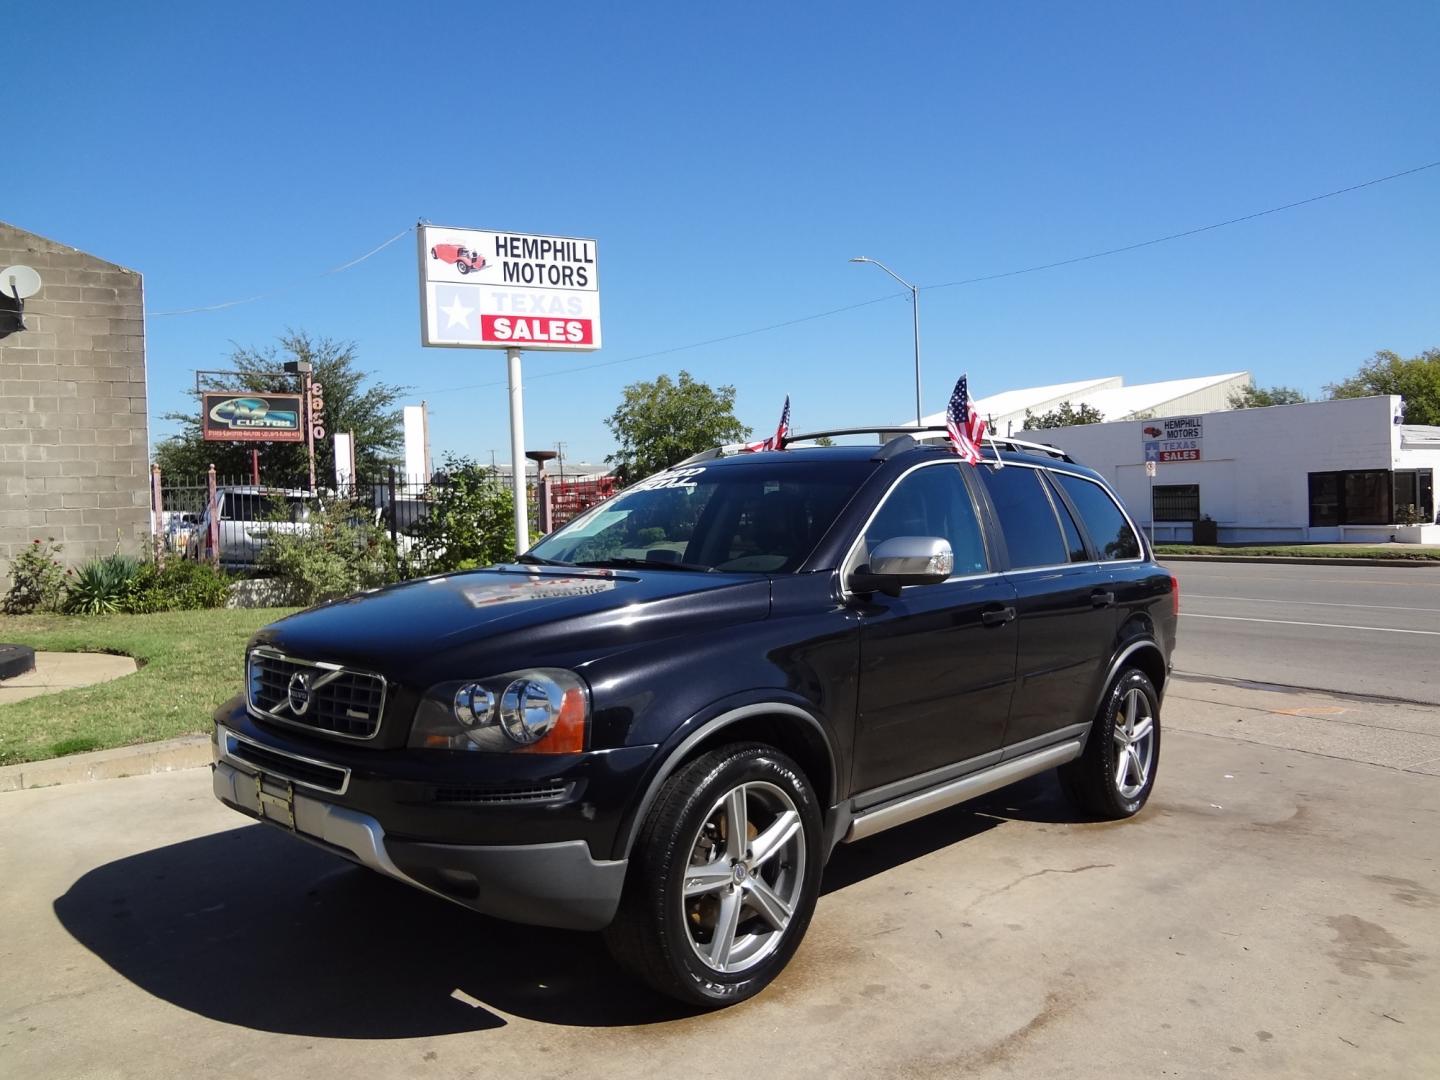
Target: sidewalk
(1396, 735)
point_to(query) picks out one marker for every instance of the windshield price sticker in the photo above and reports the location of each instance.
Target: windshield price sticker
(675, 478)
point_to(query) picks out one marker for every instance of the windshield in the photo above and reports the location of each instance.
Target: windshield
(764, 519)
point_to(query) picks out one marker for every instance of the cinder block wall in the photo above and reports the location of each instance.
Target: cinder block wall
(74, 449)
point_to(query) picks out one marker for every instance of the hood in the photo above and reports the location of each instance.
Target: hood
(542, 615)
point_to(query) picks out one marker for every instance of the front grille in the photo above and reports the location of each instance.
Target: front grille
(321, 697)
(276, 763)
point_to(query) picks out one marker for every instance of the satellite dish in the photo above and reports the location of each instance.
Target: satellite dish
(19, 281)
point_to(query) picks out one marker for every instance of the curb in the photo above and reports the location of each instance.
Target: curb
(1299, 560)
(189, 752)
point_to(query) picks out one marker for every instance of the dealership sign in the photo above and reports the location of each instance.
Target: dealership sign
(502, 290)
(228, 416)
(1175, 438)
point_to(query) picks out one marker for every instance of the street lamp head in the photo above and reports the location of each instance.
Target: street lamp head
(861, 258)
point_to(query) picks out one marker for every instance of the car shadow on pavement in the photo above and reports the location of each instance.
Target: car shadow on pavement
(251, 927)
(1037, 799)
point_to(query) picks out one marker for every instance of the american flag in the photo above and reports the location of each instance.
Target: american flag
(782, 432)
(964, 424)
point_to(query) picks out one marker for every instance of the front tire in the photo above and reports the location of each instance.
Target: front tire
(723, 878)
(1113, 778)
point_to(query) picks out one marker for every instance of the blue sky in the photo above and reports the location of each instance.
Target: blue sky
(729, 160)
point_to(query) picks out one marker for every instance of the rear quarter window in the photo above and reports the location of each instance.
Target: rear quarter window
(1110, 531)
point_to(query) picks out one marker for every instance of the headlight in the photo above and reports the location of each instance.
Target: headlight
(539, 711)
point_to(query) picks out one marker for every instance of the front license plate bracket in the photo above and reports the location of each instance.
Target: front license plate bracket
(276, 799)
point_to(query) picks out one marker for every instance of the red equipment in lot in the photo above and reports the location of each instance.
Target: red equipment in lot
(464, 260)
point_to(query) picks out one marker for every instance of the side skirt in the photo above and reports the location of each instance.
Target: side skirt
(900, 811)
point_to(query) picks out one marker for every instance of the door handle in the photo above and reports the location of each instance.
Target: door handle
(1101, 598)
(997, 616)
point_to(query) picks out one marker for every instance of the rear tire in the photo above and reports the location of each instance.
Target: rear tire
(1113, 778)
(711, 913)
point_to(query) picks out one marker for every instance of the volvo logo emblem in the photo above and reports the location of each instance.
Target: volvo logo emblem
(299, 692)
(739, 873)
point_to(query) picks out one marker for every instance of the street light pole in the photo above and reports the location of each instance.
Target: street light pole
(915, 311)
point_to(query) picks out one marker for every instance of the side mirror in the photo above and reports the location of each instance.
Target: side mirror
(904, 560)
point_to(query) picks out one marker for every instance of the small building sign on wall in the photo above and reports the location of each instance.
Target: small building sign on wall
(1174, 438)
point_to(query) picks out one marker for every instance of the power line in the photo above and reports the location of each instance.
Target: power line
(678, 348)
(965, 281)
(1187, 232)
(283, 288)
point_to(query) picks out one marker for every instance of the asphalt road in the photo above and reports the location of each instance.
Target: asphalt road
(1350, 629)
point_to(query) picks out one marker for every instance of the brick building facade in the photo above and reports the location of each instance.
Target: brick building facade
(74, 447)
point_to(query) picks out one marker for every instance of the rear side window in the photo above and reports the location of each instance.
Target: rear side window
(932, 501)
(1032, 535)
(1073, 542)
(1107, 525)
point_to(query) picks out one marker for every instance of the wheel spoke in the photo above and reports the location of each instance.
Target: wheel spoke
(1142, 729)
(737, 820)
(1132, 706)
(1122, 738)
(723, 939)
(775, 837)
(707, 877)
(1122, 767)
(763, 899)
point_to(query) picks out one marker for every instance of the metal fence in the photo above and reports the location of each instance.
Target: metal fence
(242, 515)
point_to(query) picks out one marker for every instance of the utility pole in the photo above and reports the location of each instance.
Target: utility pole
(517, 451)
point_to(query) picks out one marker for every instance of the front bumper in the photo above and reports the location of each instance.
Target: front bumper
(548, 884)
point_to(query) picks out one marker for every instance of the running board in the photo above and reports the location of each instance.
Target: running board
(957, 791)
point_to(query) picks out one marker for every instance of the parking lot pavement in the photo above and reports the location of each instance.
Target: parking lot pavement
(1272, 912)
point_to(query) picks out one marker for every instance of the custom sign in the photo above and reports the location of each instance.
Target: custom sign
(499, 290)
(231, 416)
(1175, 438)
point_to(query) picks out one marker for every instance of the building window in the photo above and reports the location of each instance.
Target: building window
(1176, 502)
(1415, 488)
(1352, 497)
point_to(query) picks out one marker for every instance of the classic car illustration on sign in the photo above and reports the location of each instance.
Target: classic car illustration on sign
(459, 256)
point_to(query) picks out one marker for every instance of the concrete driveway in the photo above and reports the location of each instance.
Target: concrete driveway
(1273, 912)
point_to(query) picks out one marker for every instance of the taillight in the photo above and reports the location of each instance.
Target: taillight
(1174, 594)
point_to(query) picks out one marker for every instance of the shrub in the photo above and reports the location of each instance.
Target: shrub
(102, 586)
(37, 579)
(471, 521)
(179, 585)
(339, 550)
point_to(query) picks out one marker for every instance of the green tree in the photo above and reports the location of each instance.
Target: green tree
(1064, 415)
(1259, 397)
(660, 423)
(471, 520)
(1415, 378)
(352, 403)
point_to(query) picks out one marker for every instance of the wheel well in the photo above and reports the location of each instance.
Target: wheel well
(1151, 663)
(794, 738)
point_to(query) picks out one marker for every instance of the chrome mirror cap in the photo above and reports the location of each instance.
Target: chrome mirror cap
(904, 560)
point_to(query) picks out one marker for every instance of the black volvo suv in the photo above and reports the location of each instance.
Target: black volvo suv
(662, 719)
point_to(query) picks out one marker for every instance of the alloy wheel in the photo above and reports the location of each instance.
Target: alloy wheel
(1134, 743)
(745, 876)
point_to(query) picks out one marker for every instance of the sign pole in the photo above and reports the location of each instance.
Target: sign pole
(517, 452)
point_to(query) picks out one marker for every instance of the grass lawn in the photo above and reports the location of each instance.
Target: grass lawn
(191, 661)
(1397, 552)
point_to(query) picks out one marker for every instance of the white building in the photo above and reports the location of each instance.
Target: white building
(1342, 470)
(1006, 411)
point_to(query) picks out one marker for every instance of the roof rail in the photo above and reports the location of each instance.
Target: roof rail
(900, 439)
